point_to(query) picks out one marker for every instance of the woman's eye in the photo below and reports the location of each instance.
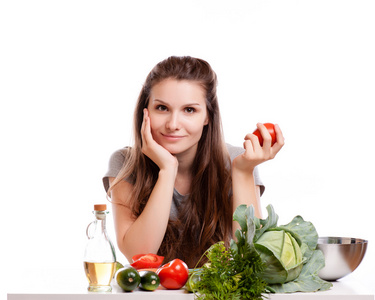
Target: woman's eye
(161, 107)
(190, 110)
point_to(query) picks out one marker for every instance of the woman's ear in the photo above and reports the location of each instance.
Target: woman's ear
(207, 120)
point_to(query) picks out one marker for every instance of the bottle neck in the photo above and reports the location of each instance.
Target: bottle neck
(100, 221)
(100, 215)
(99, 247)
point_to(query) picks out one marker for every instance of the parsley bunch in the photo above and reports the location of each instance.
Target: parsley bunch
(232, 273)
(217, 279)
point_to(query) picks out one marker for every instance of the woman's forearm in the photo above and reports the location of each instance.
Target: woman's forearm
(245, 192)
(146, 234)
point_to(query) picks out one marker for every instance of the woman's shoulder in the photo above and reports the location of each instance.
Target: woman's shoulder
(118, 157)
(116, 161)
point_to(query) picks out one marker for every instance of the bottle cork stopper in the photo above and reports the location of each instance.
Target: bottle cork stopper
(100, 207)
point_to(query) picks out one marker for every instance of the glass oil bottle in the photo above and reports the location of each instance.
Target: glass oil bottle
(100, 257)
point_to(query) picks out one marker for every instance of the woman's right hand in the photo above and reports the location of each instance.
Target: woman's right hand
(158, 154)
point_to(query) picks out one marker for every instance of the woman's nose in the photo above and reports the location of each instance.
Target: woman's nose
(173, 122)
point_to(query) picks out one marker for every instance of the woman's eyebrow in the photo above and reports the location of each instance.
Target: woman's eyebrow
(161, 101)
(188, 104)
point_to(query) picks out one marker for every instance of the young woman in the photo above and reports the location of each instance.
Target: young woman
(174, 192)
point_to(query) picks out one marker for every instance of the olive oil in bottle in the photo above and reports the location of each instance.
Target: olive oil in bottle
(100, 258)
(99, 274)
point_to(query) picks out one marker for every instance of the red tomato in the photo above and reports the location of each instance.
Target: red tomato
(174, 274)
(142, 261)
(271, 129)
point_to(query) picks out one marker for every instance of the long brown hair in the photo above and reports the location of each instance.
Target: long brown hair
(206, 217)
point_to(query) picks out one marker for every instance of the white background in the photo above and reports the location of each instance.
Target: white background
(70, 73)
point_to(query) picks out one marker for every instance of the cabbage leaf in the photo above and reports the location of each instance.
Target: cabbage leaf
(306, 232)
(302, 278)
(308, 280)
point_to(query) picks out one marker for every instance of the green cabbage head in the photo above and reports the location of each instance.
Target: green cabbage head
(281, 254)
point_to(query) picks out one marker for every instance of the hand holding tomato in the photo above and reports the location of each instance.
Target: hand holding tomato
(259, 147)
(174, 274)
(271, 130)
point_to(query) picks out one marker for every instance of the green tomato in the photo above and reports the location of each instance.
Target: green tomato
(194, 277)
(128, 278)
(149, 281)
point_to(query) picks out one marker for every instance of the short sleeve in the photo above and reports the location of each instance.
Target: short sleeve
(115, 164)
(233, 153)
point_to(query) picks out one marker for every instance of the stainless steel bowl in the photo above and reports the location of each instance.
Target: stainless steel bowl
(342, 256)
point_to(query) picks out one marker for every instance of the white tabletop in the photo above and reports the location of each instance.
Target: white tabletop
(57, 284)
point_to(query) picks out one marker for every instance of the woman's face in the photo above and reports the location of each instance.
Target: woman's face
(178, 113)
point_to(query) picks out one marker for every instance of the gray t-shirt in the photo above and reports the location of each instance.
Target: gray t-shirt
(117, 161)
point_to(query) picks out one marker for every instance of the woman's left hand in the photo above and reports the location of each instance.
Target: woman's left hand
(254, 153)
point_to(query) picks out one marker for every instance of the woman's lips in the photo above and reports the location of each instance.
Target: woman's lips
(172, 137)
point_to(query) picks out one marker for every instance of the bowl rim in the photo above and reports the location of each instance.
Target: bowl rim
(337, 240)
